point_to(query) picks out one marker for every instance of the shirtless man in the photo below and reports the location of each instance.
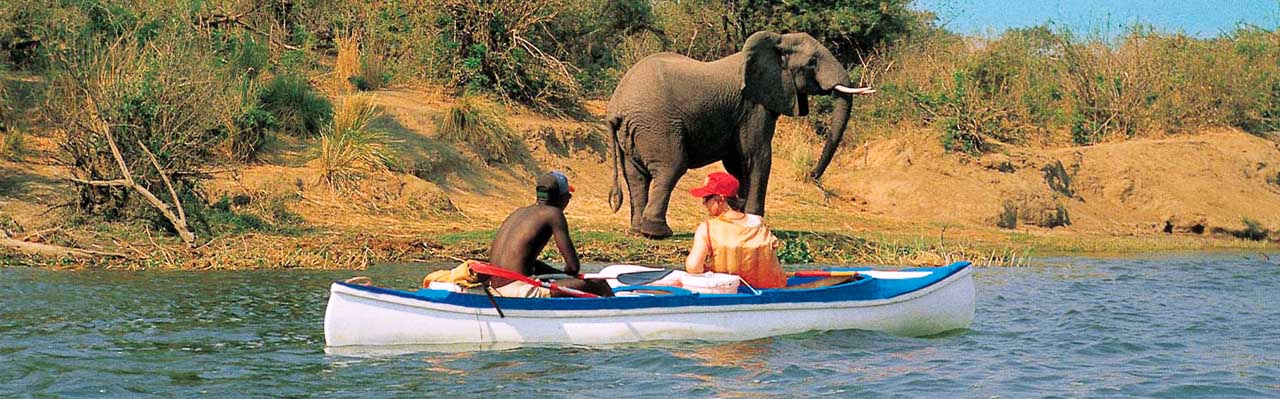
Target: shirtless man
(525, 232)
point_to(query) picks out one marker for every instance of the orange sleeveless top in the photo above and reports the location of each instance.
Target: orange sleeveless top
(746, 252)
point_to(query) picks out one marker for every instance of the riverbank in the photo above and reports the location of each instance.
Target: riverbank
(894, 200)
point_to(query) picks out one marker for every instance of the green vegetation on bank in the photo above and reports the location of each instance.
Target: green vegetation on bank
(1034, 85)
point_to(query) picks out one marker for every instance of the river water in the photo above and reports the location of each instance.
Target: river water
(1187, 325)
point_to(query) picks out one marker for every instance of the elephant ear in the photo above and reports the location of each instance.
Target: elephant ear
(766, 80)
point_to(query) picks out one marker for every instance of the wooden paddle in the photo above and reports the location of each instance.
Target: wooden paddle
(485, 268)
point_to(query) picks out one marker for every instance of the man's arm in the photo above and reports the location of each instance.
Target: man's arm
(560, 230)
(540, 268)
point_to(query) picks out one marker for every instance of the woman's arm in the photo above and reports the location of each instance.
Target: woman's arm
(696, 262)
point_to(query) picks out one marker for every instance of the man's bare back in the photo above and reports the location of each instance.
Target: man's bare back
(526, 231)
(523, 235)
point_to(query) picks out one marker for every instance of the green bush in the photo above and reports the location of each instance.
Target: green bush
(244, 53)
(298, 109)
(231, 215)
(794, 251)
(250, 133)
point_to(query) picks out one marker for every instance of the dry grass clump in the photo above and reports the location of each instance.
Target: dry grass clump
(478, 122)
(347, 65)
(796, 145)
(351, 146)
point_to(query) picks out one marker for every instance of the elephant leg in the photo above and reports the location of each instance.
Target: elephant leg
(655, 215)
(755, 159)
(753, 180)
(638, 187)
(736, 167)
(757, 182)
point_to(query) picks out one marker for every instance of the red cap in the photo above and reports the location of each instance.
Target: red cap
(718, 183)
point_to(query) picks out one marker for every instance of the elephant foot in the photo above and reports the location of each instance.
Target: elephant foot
(653, 229)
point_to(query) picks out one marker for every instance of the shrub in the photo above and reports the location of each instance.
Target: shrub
(1055, 175)
(298, 109)
(168, 97)
(849, 28)
(1057, 218)
(249, 133)
(503, 47)
(243, 52)
(1252, 231)
(1111, 87)
(479, 123)
(231, 215)
(5, 106)
(373, 74)
(12, 144)
(351, 145)
(1008, 218)
(971, 121)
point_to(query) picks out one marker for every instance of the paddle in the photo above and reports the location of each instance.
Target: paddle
(630, 278)
(642, 278)
(821, 273)
(485, 268)
(649, 276)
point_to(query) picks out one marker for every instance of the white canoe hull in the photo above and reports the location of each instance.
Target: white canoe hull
(364, 318)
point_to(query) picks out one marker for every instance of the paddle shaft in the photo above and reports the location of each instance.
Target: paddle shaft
(485, 268)
(821, 273)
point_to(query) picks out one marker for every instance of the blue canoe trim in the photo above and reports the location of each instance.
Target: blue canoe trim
(865, 289)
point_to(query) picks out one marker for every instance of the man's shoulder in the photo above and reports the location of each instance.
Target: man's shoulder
(539, 211)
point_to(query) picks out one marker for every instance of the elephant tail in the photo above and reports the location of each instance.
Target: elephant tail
(615, 194)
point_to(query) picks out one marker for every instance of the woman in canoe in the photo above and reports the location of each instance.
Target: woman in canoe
(731, 241)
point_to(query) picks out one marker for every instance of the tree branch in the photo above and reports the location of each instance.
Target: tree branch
(173, 194)
(33, 248)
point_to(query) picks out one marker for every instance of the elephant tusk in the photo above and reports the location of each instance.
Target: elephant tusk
(852, 90)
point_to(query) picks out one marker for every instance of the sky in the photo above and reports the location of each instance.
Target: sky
(1203, 18)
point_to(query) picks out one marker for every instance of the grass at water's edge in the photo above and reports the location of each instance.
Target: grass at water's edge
(348, 250)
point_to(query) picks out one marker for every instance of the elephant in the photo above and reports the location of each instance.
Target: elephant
(670, 113)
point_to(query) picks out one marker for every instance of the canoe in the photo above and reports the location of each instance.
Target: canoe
(919, 302)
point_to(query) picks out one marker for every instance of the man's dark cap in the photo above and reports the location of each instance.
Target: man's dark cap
(553, 184)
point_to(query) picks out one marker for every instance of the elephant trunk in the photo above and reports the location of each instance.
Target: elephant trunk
(839, 119)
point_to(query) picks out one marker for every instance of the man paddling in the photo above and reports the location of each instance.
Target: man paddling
(526, 231)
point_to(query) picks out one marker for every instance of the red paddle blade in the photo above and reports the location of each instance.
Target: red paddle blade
(488, 269)
(485, 268)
